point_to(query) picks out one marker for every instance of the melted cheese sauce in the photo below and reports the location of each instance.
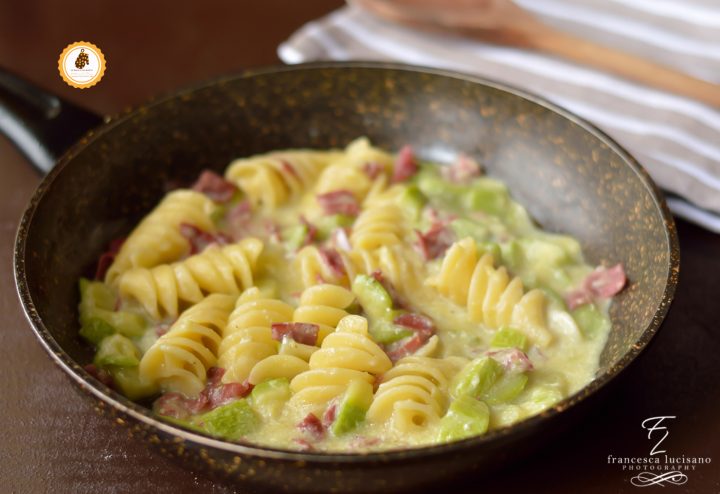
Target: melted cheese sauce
(550, 262)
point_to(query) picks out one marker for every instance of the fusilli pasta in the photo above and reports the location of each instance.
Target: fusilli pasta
(352, 171)
(413, 394)
(346, 355)
(179, 359)
(314, 269)
(247, 337)
(378, 225)
(162, 289)
(325, 306)
(157, 238)
(273, 178)
(490, 294)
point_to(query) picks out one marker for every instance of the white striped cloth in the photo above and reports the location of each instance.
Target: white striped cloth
(677, 139)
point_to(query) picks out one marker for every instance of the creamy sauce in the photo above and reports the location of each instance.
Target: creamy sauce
(564, 358)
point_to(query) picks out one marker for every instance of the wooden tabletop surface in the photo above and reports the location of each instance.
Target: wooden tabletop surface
(52, 441)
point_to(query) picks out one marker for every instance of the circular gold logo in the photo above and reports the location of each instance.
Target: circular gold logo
(81, 64)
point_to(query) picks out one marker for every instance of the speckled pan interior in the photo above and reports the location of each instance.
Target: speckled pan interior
(571, 177)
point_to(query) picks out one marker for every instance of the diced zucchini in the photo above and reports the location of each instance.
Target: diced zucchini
(97, 301)
(327, 224)
(95, 329)
(508, 338)
(431, 184)
(465, 417)
(231, 421)
(412, 200)
(464, 227)
(540, 251)
(125, 323)
(352, 408)
(512, 255)
(383, 331)
(506, 389)
(117, 350)
(269, 397)
(542, 397)
(590, 320)
(131, 384)
(94, 295)
(486, 195)
(476, 377)
(294, 236)
(374, 299)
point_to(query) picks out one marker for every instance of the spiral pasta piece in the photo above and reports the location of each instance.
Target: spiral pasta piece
(163, 289)
(314, 269)
(347, 354)
(351, 171)
(379, 224)
(272, 179)
(392, 262)
(413, 394)
(247, 337)
(178, 361)
(157, 238)
(325, 306)
(491, 296)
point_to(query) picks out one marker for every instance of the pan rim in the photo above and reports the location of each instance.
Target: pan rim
(144, 415)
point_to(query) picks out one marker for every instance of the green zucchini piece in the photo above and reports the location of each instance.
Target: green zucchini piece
(117, 350)
(590, 320)
(506, 389)
(130, 384)
(412, 200)
(95, 329)
(374, 299)
(269, 397)
(353, 407)
(476, 377)
(465, 417)
(509, 338)
(231, 421)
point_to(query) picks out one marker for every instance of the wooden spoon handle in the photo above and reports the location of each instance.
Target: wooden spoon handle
(553, 42)
(503, 22)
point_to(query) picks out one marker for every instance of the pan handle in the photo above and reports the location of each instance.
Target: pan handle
(41, 125)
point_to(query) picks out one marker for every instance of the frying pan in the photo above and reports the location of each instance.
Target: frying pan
(572, 177)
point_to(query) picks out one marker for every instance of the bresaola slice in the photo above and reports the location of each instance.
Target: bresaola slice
(108, 257)
(373, 169)
(301, 332)
(312, 427)
(423, 328)
(332, 259)
(214, 186)
(215, 394)
(601, 283)
(339, 202)
(200, 239)
(462, 170)
(405, 165)
(433, 243)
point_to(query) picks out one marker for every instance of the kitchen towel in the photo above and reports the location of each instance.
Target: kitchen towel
(677, 139)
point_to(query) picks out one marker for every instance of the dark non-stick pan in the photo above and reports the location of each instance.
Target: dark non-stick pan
(572, 177)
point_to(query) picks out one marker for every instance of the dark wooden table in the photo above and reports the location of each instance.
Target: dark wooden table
(51, 440)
